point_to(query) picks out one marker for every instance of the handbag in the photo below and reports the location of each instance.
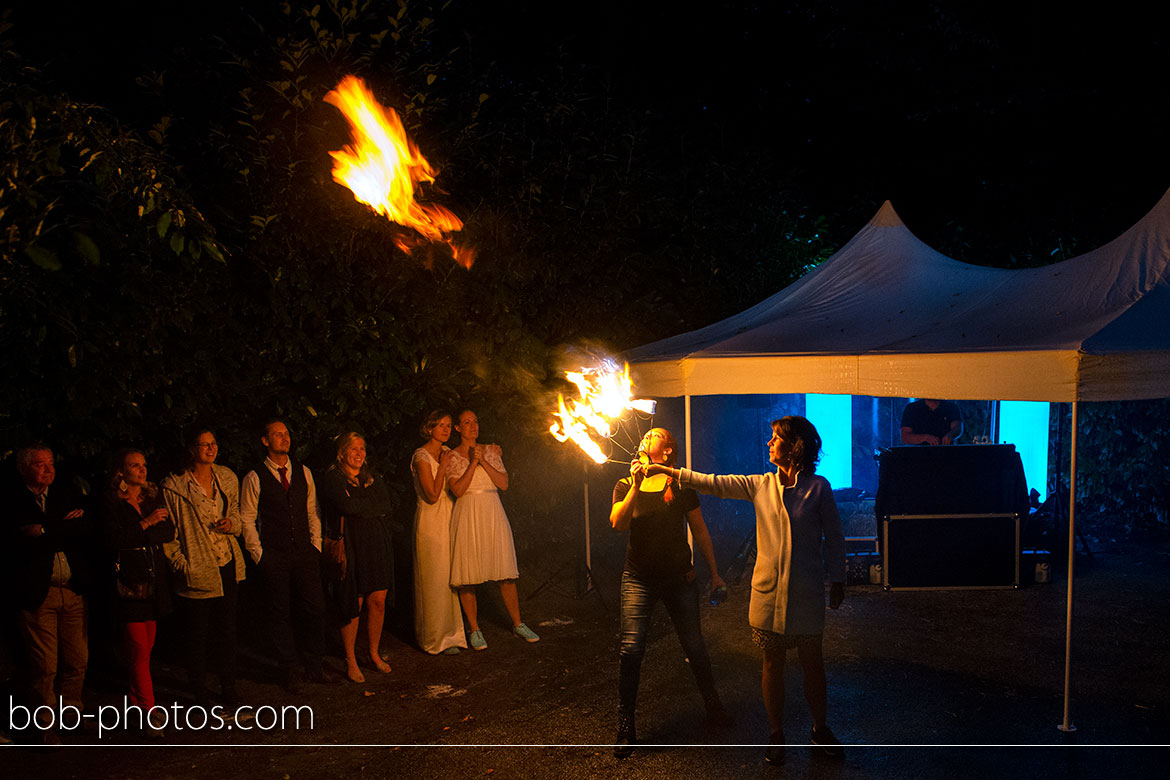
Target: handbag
(333, 561)
(134, 577)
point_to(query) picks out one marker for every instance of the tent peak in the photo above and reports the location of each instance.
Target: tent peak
(887, 217)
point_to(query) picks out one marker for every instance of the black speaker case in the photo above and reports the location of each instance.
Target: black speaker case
(951, 552)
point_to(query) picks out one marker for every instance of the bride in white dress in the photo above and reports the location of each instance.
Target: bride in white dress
(438, 626)
(482, 547)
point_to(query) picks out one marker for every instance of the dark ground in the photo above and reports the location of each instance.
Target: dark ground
(954, 684)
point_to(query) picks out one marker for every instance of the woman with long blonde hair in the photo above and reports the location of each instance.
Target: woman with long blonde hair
(136, 527)
(355, 508)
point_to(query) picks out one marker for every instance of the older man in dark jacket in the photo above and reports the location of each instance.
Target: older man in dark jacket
(48, 538)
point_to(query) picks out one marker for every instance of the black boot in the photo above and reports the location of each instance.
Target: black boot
(774, 755)
(626, 733)
(717, 715)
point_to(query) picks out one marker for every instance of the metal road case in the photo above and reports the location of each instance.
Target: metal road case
(943, 552)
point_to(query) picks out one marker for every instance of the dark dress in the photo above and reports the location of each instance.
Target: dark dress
(123, 533)
(369, 550)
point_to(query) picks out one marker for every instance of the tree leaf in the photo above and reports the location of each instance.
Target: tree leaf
(164, 223)
(88, 249)
(43, 258)
(213, 250)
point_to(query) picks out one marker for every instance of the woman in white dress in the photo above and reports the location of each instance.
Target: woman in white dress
(438, 626)
(482, 547)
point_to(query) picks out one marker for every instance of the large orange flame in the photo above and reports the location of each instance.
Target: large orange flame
(382, 166)
(606, 393)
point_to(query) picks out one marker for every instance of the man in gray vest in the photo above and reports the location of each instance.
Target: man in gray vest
(282, 533)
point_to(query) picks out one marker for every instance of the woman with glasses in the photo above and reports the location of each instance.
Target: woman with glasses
(208, 565)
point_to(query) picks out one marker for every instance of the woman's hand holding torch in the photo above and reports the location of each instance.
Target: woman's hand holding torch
(638, 468)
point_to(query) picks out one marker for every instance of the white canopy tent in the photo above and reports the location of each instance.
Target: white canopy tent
(889, 316)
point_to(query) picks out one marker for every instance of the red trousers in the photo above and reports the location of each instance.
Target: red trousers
(137, 642)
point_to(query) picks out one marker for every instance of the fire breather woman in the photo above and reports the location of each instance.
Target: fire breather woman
(657, 511)
(795, 513)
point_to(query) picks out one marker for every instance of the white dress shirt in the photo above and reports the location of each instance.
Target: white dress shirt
(250, 498)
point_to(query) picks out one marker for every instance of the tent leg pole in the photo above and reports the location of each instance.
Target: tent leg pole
(1066, 724)
(687, 453)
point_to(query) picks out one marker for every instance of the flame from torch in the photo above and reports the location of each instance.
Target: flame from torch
(606, 394)
(382, 166)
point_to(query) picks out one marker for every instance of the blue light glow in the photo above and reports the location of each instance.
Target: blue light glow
(833, 417)
(1025, 424)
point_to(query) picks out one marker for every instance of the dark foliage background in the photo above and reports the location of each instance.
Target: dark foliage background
(175, 251)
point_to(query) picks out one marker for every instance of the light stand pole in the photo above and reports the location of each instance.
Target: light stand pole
(587, 585)
(588, 547)
(584, 584)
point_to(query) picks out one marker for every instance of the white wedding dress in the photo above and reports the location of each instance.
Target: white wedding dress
(438, 621)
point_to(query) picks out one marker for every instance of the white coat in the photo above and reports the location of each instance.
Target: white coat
(788, 583)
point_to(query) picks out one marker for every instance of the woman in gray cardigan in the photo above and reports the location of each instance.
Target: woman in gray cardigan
(205, 557)
(798, 537)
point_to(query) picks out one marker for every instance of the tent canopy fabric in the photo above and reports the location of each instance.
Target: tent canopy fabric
(889, 316)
